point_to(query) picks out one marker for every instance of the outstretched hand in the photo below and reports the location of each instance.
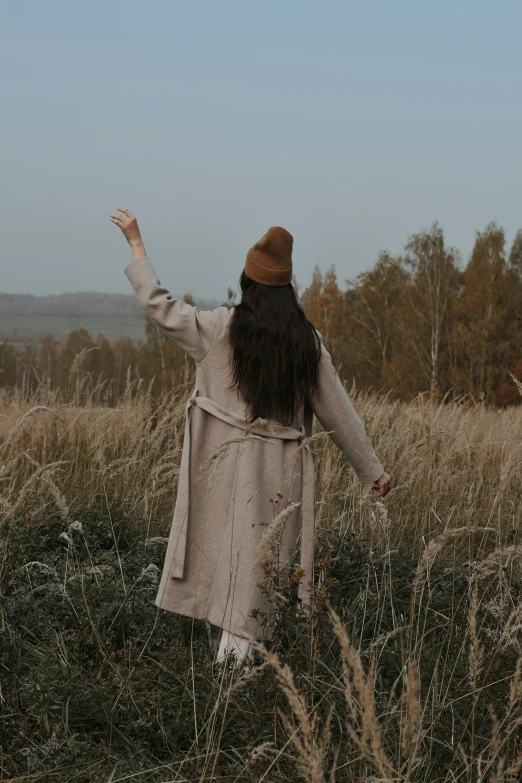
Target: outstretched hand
(382, 486)
(128, 224)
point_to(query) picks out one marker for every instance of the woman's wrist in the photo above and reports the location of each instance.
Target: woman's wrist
(138, 248)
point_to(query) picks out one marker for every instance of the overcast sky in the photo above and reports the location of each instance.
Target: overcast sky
(352, 123)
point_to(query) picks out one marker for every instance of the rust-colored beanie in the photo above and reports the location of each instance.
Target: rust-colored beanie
(269, 261)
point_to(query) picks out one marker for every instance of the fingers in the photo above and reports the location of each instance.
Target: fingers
(126, 214)
(117, 222)
(382, 489)
(125, 218)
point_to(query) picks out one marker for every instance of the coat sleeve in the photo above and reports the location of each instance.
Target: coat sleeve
(335, 412)
(189, 326)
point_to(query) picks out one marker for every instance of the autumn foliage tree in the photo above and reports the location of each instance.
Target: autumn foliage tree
(418, 322)
(480, 331)
(372, 306)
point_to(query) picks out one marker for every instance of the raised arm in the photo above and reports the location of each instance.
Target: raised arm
(189, 326)
(335, 412)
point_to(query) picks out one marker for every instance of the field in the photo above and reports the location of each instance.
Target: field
(409, 667)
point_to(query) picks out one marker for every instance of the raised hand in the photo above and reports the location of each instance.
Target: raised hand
(129, 226)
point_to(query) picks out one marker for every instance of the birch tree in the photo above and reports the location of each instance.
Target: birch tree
(433, 284)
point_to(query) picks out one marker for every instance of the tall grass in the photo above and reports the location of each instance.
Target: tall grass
(408, 667)
(453, 464)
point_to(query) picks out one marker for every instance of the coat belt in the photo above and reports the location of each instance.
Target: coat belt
(268, 430)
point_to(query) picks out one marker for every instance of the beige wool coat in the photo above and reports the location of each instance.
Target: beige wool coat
(231, 474)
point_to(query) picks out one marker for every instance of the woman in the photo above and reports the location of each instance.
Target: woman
(262, 371)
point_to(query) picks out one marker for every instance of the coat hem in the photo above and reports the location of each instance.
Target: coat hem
(214, 619)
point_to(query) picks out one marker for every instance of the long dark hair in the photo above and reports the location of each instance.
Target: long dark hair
(275, 351)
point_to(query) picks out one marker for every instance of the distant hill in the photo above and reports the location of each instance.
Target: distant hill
(27, 318)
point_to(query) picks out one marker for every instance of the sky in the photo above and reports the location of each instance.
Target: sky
(352, 124)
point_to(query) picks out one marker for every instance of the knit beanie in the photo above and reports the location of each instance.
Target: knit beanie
(269, 261)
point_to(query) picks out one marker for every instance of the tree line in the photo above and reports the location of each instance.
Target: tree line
(419, 322)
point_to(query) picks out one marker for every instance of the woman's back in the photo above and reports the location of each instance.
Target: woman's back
(246, 479)
(235, 477)
(204, 335)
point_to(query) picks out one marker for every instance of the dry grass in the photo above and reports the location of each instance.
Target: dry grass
(455, 509)
(452, 465)
(129, 453)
